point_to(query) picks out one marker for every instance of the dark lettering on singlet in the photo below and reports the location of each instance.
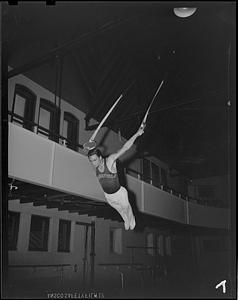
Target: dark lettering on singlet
(108, 180)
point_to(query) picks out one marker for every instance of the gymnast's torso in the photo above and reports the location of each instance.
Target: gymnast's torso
(108, 180)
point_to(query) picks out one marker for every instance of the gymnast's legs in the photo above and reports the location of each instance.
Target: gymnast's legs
(120, 202)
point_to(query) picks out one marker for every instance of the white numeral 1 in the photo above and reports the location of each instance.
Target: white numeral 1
(223, 283)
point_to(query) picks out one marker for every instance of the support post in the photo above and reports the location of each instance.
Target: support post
(92, 254)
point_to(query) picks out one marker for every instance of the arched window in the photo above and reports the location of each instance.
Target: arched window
(23, 107)
(49, 120)
(71, 130)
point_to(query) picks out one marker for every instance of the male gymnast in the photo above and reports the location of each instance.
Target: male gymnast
(106, 171)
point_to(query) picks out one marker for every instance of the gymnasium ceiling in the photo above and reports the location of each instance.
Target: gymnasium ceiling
(114, 44)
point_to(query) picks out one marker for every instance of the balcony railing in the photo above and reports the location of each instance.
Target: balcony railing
(36, 128)
(42, 130)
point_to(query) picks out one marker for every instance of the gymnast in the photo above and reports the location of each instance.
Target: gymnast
(106, 172)
(106, 169)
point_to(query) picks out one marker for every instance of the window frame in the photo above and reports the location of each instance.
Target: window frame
(15, 230)
(168, 245)
(154, 182)
(68, 237)
(29, 109)
(160, 246)
(72, 143)
(163, 182)
(45, 237)
(54, 127)
(111, 245)
(147, 250)
(147, 179)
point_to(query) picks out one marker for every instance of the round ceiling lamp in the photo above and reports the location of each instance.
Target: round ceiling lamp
(184, 12)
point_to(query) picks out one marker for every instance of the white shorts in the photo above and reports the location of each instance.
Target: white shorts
(120, 202)
(118, 198)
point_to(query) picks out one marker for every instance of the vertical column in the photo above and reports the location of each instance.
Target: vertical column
(24, 232)
(72, 236)
(197, 253)
(52, 164)
(142, 197)
(37, 111)
(187, 211)
(53, 234)
(92, 253)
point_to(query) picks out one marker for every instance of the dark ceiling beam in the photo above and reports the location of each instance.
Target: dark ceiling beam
(106, 67)
(93, 57)
(141, 113)
(106, 215)
(106, 70)
(114, 88)
(28, 191)
(57, 196)
(106, 211)
(84, 202)
(22, 200)
(36, 191)
(62, 206)
(31, 192)
(56, 199)
(52, 205)
(64, 48)
(31, 199)
(93, 212)
(87, 64)
(79, 211)
(27, 195)
(76, 207)
(12, 197)
(122, 85)
(83, 75)
(40, 203)
(37, 202)
(86, 209)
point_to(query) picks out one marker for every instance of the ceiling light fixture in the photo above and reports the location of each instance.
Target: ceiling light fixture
(184, 12)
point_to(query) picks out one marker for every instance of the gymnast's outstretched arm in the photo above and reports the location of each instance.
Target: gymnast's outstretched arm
(113, 157)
